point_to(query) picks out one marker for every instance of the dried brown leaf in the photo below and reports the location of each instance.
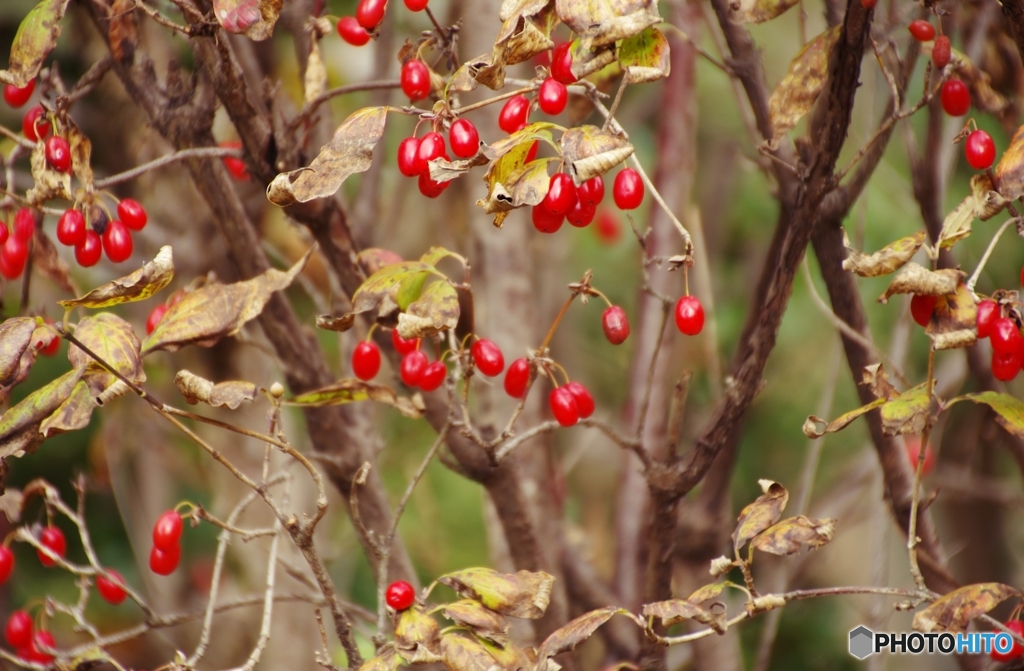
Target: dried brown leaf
(816, 427)
(521, 594)
(350, 151)
(16, 352)
(10, 504)
(877, 380)
(794, 534)
(954, 611)
(483, 621)
(887, 260)
(196, 389)
(435, 311)
(757, 11)
(799, 89)
(589, 151)
(1010, 169)
(574, 632)
(674, 611)
(761, 514)
(461, 653)
(47, 262)
(387, 660)
(916, 279)
(139, 285)
(953, 324)
(315, 79)
(48, 183)
(443, 170)
(601, 22)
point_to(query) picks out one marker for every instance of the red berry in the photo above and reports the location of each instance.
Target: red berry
(921, 308)
(922, 30)
(608, 228)
(13, 256)
(366, 360)
(415, 79)
(370, 12)
(414, 364)
(628, 189)
(132, 214)
(1006, 366)
(563, 406)
(868, 4)
(433, 376)
(403, 346)
(112, 589)
(913, 447)
(16, 97)
(34, 652)
(980, 150)
(988, 312)
(561, 63)
(353, 33)
(416, 5)
(517, 377)
(584, 401)
(163, 562)
(88, 252)
(488, 357)
(561, 196)
(615, 324)
(689, 315)
(956, 99)
(117, 241)
(24, 224)
(34, 124)
(407, 156)
(544, 221)
(431, 146)
(592, 191)
(942, 51)
(514, 114)
(52, 538)
(1017, 650)
(429, 187)
(531, 153)
(464, 138)
(58, 154)
(552, 97)
(18, 631)
(235, 166)
(581, 214)
(400, 595)
(155, 316)
(167, 530)
(71, 228)
(1004, 336)
(6, 563)
(4, 232)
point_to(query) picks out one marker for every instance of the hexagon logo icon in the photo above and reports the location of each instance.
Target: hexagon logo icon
(862, 642)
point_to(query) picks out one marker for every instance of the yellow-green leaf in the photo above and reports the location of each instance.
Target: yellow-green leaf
(816, 427)
(645, 57)
(887, 260)
(73, 414)
(482, 620)
(1009, 410)
(906, 413)
(36, 37)
(140, 285)
(19, 426)
(388, 660)
(436, 310)
(113, 340)
(416, 636)
(954, 611)
(461, 653)
(521, 594)
(350, 151)
(707, 592)
(799, 89)
(761, 514)
(351, 391)
(16, 353)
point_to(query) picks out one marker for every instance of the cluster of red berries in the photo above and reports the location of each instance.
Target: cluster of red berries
(955, 96)
(1017, 627)
(415, 154)
(356, 30)
(166, 552)
(400, 595)
(1004, 334)
(29, 643)
(112, 236)
(14, 249)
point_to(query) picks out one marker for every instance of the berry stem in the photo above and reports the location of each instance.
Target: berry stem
(599, 294)
(562, 370)
(615, 104)
(988, 252)
(554, 324)
(490, 101)
(369, 333)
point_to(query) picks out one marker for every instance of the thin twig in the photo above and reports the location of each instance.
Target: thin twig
(182, 155)
(988, 252)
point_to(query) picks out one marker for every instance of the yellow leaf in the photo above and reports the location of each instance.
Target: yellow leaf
(139, 285)
(795, 95)
(761, 514)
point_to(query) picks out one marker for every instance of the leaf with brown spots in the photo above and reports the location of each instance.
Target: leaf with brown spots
(196, 389)
(461, 653)
(916, 279)
(794, 534)
(113, 340)
(674, 611)
(589, 151)
(887, 260)
(645, 57)
(1010, 169)
(483, 621)
(416, 636)
(350, 151)
(19, 426)
(953, 324)
(510, 161)
(315, 78)
(907, 413)
(380, 292)
(708, 592)
(761, 514)
(36, 37)
(601, 22)
(757, 11)
(435, 311)
(17, 353)
(73, 414)
(799, 89)
(214, 311)
(877, 380)
(388, 660)
(139, 285)
(1009, 410)
(954, 611)
(351, 391)
(521, 594)
(574, 632)
(253, 18)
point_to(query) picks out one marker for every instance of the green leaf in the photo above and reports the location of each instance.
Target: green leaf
(1009, 410)
(140, 285)
(114, 341)
(19, 426)
(436, 310)
(36, 37)
(410, 289)
(522, 594)
(214, 311)
(351, 391)
(645, 57)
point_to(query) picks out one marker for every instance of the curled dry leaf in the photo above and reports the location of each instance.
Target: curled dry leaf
(525, 32)
(887, 260)
(315, 79)
(954, 320)
(761, 514)
(113, 340)
(982, 203)
(443, 170)
(799, 89)
(1009, 410)
(350, 151)
(877, 380)
(757, 11)
(352, 391)
(214, 311)
(499, 201)
(522, 594)
(436, 310)
(387, 660)
(483, 621)
(674, 611)
(139, 285)
(712, 591)
(954, 611)
(589, 151)
(462, 653)
(16, 352)
(914, 278)
(607, 21)
(721, 566)
(10, 504)
(416, 636)
(816, 427)
(574, 632)
(48, 183)
(645, 57)
(81, 155)
(253, 18)
(794, 534)
(36, 37)
(196, 389)
(764, 603)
